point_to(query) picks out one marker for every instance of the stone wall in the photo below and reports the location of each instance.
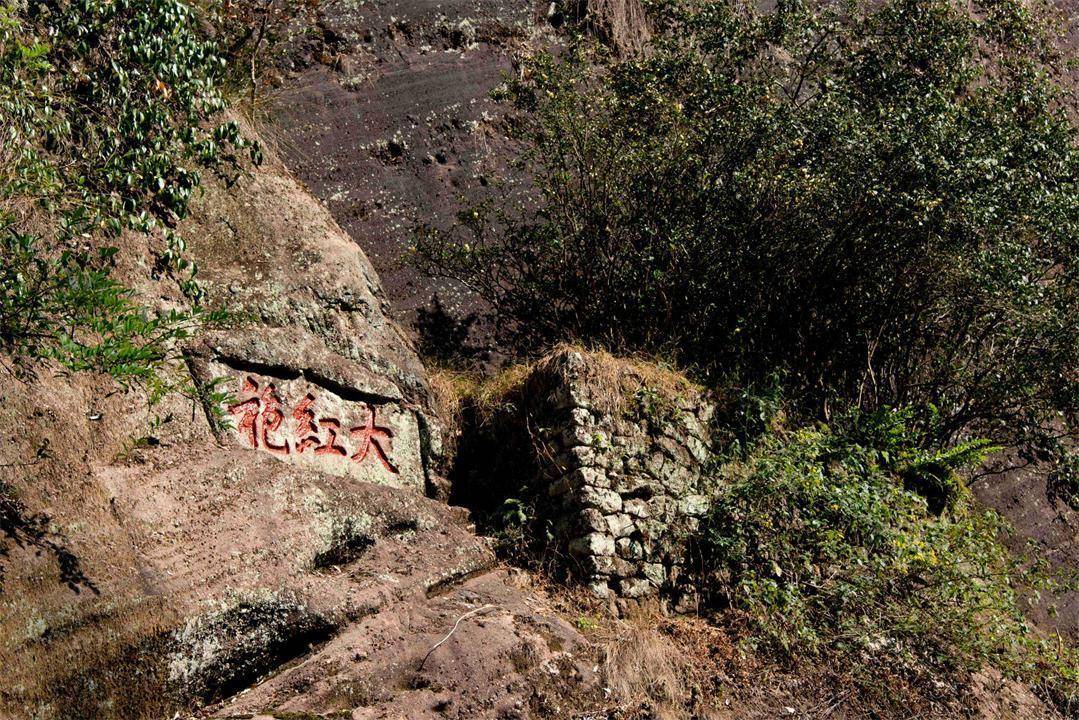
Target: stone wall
(623, 453)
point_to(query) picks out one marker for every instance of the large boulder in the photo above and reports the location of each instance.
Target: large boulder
(154, 557)
(317, 373)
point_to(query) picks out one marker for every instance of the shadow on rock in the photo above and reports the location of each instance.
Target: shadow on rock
(27, 530)
(445, 338)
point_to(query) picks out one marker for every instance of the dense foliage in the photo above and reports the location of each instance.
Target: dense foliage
(829, 539)
(104, 107)
(877, 201)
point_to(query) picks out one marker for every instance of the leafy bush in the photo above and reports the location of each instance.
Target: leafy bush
(819, 535)
(876, 200)
(101, 326)
(104, 105)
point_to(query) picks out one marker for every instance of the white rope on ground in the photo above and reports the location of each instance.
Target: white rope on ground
(468, 614)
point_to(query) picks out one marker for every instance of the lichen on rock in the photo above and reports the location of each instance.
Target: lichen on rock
(223, 650)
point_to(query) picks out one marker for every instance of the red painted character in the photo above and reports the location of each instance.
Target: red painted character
(371, 437)
(330, 447)
(249, 410)
(306, 428)
(260, 416)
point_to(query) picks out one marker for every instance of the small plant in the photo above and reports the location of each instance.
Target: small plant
(1064, 481)
(148, 439)
(250, 29)
(587, 623)
(517, 530)
(214, 400)
(69, 308)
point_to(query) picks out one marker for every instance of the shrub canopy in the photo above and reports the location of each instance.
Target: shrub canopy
(876, 200)
(833, 542)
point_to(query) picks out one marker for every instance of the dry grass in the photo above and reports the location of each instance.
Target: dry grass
(652, 665)
(613, 383)
(614, 386)
(453, 390)
(645, 670)
(622, 24)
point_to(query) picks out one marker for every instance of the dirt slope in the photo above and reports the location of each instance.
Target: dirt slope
(1038, 515)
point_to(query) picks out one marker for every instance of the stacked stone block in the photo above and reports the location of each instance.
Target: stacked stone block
(627, 486)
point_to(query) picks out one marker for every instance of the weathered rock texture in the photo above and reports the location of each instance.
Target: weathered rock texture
(319, 374)
(631, 489)
(151, 561)
(384, 112)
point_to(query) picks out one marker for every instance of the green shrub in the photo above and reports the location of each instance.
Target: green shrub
(70, 309)
(876, 200)
(104, 106)
(820, 537)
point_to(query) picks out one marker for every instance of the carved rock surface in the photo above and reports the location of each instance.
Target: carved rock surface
(151, 561)
(320, 376)
(302, 423)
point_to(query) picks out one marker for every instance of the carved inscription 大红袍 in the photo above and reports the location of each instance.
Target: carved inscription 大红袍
(370, 437)
(260, 415)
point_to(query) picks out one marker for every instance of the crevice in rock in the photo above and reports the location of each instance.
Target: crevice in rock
(347, 392)
(402, 526)
(428, 458)
(645, 492)
(196, 370)
(287, 372)
(346, 551)
(277, 370)
(443, 586)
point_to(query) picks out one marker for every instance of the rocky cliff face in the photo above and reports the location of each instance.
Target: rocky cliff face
(387, 119)
(153, 559)
(289, 566)
(386, 116)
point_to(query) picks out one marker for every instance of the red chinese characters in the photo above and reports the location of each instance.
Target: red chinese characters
(330, 447)
(260, 417)
(306, 429)
(261, 420)
(371, 437)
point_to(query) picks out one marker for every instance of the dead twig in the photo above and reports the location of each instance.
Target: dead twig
(468, 614)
